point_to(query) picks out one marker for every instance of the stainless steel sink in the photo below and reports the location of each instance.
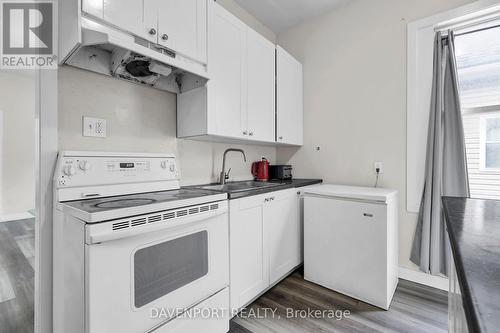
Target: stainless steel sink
(239, 186)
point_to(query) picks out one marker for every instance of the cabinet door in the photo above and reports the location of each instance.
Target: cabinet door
(138, 17)
(260, 90)
(289, 85)
(182, 27)
(249, 268)
(282, 233)
(226, 67)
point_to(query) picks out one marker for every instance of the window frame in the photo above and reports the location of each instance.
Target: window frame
(483, 118)
(419, 59)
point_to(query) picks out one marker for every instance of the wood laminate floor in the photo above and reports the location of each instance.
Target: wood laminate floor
(415, 308)
(17, 258)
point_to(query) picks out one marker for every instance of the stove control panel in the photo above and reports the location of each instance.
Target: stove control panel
(101, 169)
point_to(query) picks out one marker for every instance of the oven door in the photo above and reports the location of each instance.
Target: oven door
(137, 282)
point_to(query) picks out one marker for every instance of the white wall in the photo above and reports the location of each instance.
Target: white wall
(144, 119)
(355, 96)
(247, 18)
(140, 119)
(17, 132)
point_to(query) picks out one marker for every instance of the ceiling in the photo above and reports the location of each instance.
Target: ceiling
(279, 15)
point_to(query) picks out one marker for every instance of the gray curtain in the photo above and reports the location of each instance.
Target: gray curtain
(446, 164)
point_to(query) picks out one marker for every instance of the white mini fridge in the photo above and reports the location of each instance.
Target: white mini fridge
(351, 241)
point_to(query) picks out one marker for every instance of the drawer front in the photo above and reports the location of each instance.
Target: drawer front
(210, 316)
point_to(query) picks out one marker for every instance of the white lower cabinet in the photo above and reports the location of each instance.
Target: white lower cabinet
(264, 241)
(248, 263)
(282, 233)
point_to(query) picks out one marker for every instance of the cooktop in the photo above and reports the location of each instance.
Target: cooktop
(136, 200)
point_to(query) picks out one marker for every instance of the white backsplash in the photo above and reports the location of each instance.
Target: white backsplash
(141, 119)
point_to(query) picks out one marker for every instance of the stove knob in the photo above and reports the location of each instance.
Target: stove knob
(163, 164)
(69, 170)
(84, 165)
(172, 167)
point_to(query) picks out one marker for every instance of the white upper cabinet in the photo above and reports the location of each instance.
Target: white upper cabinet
(260, 88)
(239, 100)
(290, 100)
(226, 100)
(138, 17)
(182, 26)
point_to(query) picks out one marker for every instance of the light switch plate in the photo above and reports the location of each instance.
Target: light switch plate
(94, 127)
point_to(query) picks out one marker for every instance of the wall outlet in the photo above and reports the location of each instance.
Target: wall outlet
(94, 127)
(379, 166)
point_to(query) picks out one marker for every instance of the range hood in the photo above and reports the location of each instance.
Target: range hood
(112, 52)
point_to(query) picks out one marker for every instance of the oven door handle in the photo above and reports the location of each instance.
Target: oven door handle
(103, 232)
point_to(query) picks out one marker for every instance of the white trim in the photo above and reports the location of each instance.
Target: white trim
(477, 13)
(46, 156)
(459, 14)
(420, 42)
(482, 142)
(481, 109)
(15, 217)
(433, 281)
(1, 161)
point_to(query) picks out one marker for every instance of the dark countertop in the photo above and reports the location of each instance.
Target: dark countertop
(474, 230)
(284, 184)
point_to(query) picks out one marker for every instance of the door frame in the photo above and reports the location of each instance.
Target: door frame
(46, 128)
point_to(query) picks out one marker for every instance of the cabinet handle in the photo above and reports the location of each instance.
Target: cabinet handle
(272, 198)
(266, 200)
(164, 37)
(90, 195)
(251, 133)
(367, 215)
(281, 138)
(245, 133)
(152, 31)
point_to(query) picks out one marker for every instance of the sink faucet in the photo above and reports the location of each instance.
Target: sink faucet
(223, 175)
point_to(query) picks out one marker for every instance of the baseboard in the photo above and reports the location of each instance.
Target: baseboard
(423, 278)
(15, 217)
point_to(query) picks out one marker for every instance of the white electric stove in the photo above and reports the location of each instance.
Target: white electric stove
(132, 251)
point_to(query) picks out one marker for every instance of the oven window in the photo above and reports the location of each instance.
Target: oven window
(165, 267)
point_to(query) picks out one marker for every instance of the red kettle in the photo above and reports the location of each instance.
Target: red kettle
(260, 170)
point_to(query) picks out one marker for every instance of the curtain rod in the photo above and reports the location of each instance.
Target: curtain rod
(490, 15)
(473, 31)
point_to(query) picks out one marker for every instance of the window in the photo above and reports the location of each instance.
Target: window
(478, 62)
(490, 142)
(478, 52)
(478, 67)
